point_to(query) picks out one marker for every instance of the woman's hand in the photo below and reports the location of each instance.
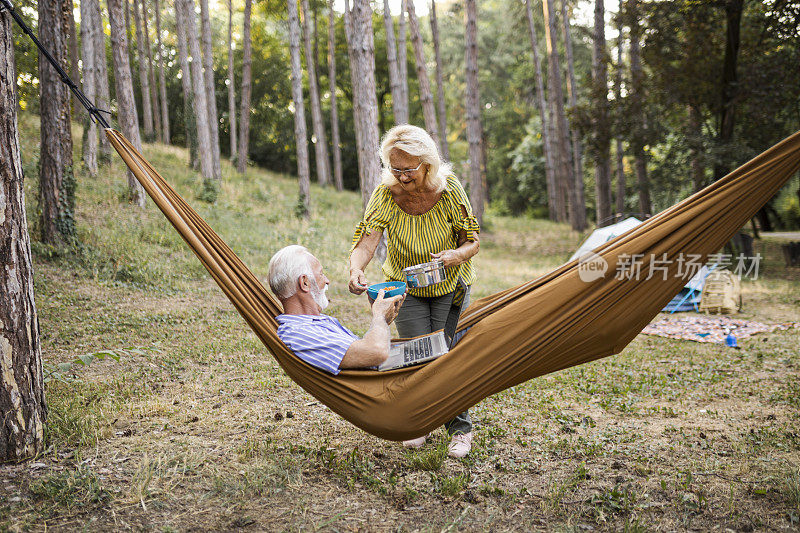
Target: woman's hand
(448, 257)
(358, 281)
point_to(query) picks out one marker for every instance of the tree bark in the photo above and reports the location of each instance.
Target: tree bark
(102, 93)
(402, 65)
(637, 98)
(577, 201)
(602, 127)
(151, 78)
(123, 83)
(90, 139)
(425, 94)
(727, 119)
(541, 99)
(335, 141)
(211, 94)
(189, 119)
(301, 142)
(565, 174)
(320, 140)
(441, 104)
(394, 71)
(162, 81)
(22, 400)
(56, 178)
(473, 108)
(144, 81)
(78, 110)
(244, 122)
(200, 101)
(231, 85)
(621, 189)
(696, 148)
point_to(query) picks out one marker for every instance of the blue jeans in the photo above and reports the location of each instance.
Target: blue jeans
(420, 316)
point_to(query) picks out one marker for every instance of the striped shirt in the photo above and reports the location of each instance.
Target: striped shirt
(410, 239)
(319, 340)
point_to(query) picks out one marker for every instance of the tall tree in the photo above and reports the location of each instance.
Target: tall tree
(541, 104)
(441, 104)
(425, 94)
(89, 146)
(211, 95)
(727, 118)
(186, 18)
(321, 139)
(189, 119)
(637, 109)
(577, 200)
(22, 400)
(621, 189)
(565, 169)
(231, 85)
(74, 71)
(244, 122)
(123, 83)
(102, 93)
(601, 136)
(394, 72)
(473, 108)
(402, 64)
(303, 171)
(151, 78)
(56, 179)
(335, 141)
(144, 81)
(162, 81)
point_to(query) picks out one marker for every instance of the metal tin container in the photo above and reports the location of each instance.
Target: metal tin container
(424, 275)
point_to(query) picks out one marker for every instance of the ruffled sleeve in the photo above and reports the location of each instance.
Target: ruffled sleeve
(377, 215)
(459, 204)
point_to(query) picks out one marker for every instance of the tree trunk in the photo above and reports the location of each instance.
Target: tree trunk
(727, 119)
(602, 126)
(565, 174)
(102, 93)
(335, 141)
(541, 99)
(199, 101)
(577, 200)
(56, 178)
(189, 119)
(696, 148)
(151, 78)
(394, 72)
(231, 85)
(123, 83)
(621, 192)
(402, 65)
(211, 94)
(90, 138)
(22, 399)
(473, 107)
(78, 111)
(320, 140)
(442, 105)
(425, 94)
(303, 171)
(637, 97)
(144, 81)
(244, 122)
(162, 81)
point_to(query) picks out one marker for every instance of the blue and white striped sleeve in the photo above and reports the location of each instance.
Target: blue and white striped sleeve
(317, 346)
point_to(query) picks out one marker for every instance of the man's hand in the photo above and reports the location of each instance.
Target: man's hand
(387, 307)
(448, 257)
(358, 281)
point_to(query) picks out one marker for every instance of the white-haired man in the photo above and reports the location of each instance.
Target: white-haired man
(297, 279)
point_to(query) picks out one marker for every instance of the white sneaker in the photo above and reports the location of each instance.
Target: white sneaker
(460, 445)
(416, 443)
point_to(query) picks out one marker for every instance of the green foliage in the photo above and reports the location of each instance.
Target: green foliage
(60, 371)
(76, 489)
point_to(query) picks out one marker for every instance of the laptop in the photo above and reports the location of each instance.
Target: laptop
(425, 348)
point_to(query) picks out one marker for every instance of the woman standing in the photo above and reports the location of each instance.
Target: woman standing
(426, 215)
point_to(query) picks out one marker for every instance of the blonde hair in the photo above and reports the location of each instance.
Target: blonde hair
(414, 141)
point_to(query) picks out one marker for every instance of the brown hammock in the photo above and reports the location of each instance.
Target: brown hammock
(548, 324)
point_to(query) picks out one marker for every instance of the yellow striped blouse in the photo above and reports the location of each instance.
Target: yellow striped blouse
(410, 239)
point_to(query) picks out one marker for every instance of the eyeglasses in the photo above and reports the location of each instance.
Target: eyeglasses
(407, 171)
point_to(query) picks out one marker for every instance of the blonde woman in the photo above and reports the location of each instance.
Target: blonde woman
(425, 213)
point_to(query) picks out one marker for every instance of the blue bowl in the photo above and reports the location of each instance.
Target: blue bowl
(372, 290)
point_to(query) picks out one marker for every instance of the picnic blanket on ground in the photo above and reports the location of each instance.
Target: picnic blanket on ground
(702, 328)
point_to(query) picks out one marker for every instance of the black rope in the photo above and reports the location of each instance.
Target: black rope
(94, 111)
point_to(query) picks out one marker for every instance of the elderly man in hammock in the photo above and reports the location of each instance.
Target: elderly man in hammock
(297, 279)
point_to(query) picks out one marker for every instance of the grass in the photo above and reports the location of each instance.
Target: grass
(197, 427)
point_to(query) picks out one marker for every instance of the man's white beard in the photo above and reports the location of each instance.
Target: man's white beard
(319, 295)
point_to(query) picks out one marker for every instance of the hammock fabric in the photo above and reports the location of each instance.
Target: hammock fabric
(548, 324)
